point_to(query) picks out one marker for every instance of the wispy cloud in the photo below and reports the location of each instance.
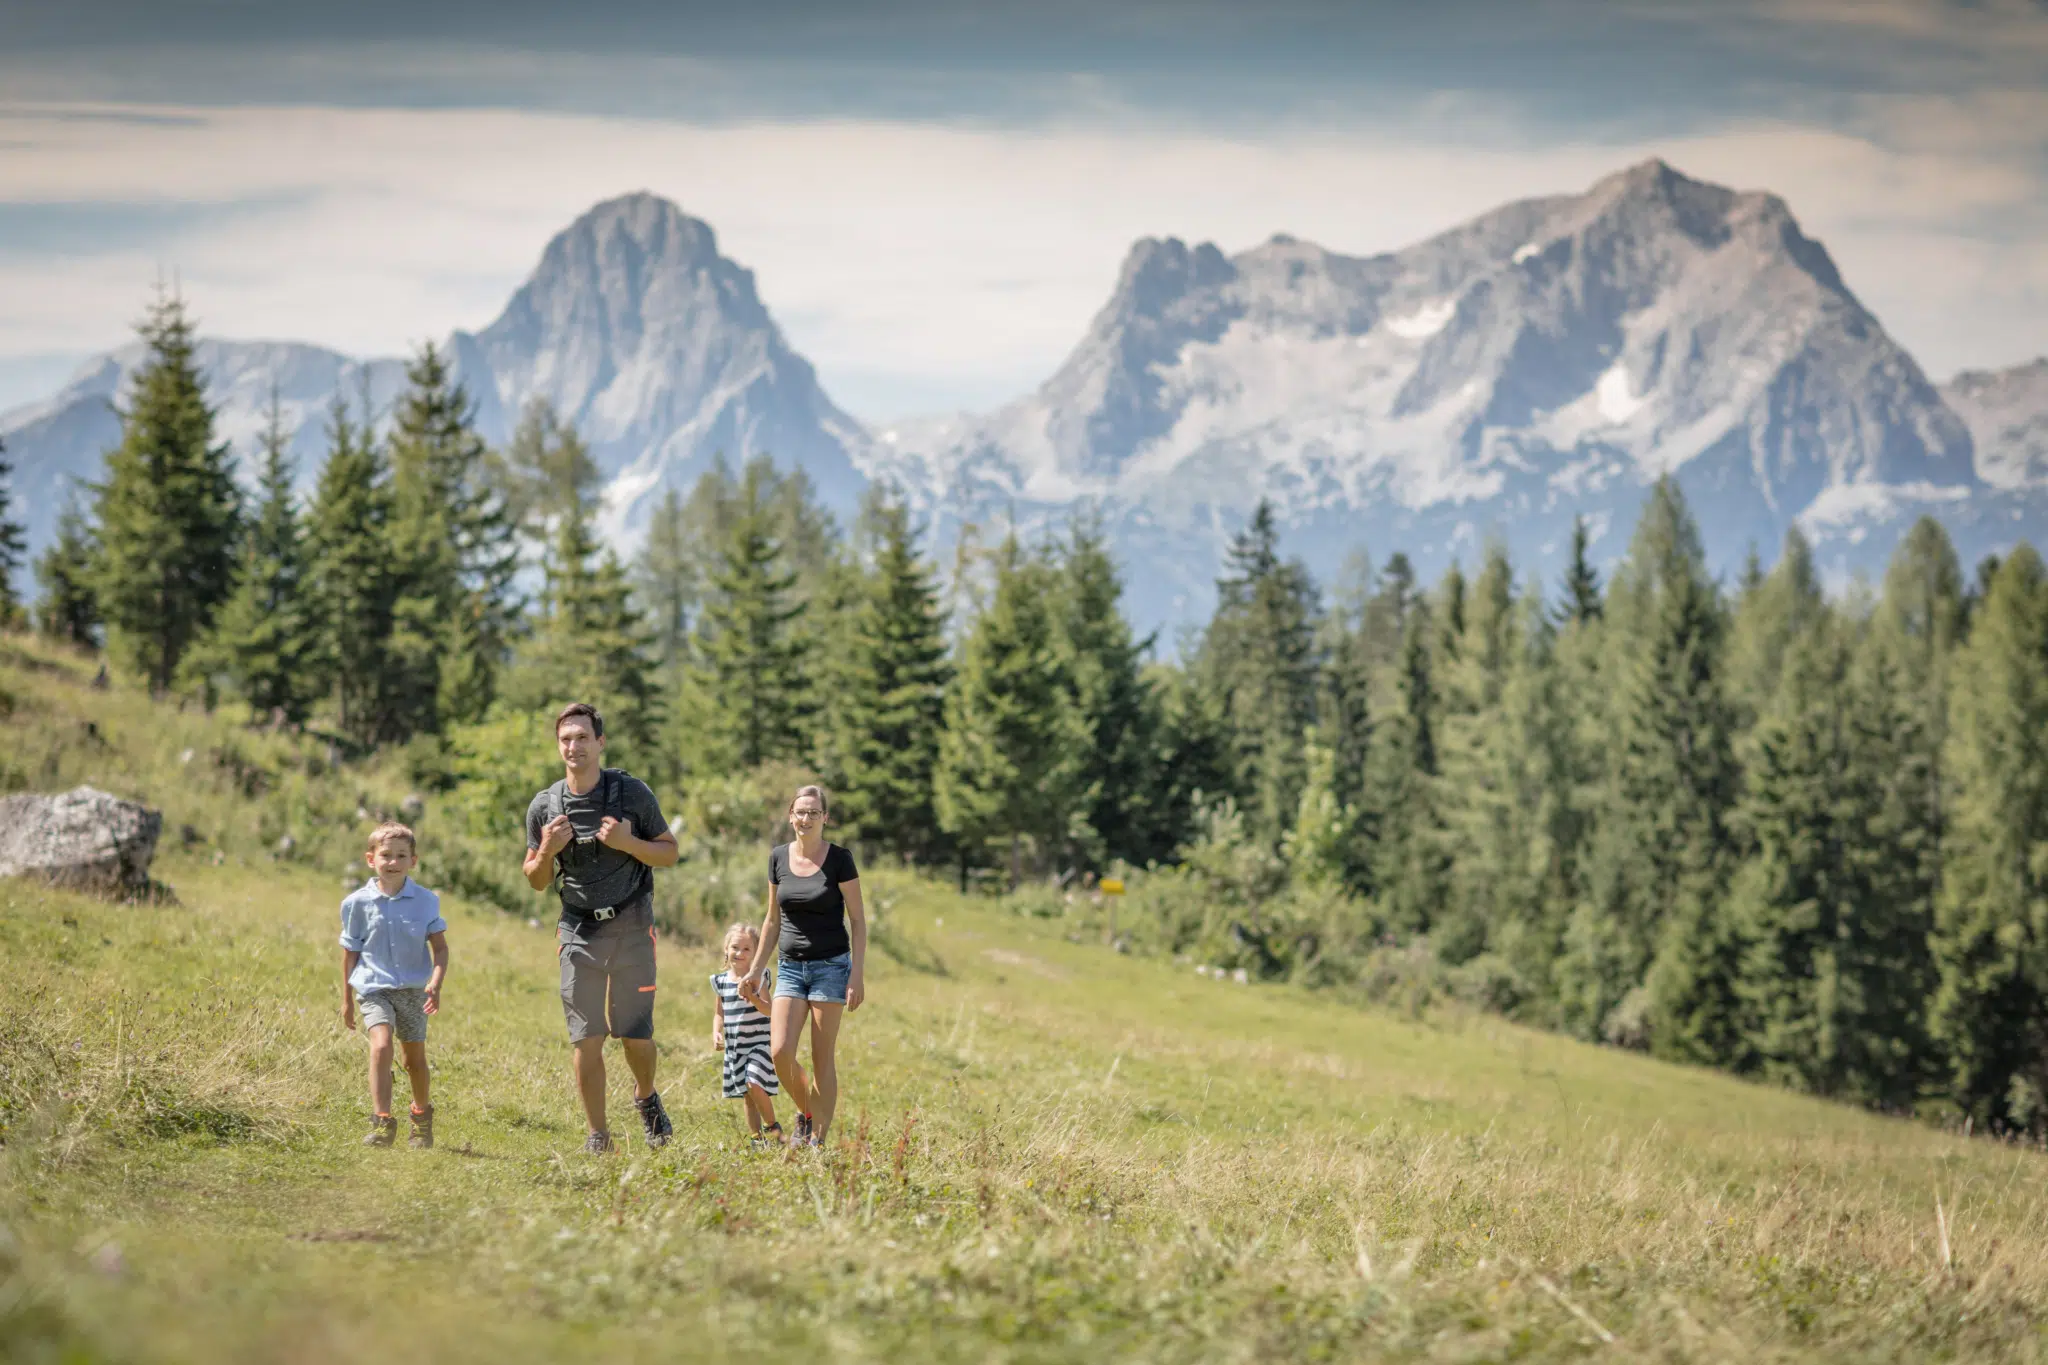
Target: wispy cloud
(922, 263)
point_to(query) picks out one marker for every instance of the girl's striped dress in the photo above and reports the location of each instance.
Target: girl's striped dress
(747, 1061)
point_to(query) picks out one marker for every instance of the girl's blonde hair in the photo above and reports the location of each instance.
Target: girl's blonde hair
(733, 937)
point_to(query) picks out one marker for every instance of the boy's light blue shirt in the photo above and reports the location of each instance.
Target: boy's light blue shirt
(391, 934)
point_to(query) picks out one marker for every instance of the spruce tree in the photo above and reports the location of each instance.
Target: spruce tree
(454, 551)
(1119, 712)
(1487, 792)
(67, 608)
(751, 687)
(1658, 856)
(352, 582)
(1258, 658)
(590, 642)
(168, 513)
(666, 576)
(264, 642)
(1782, 606)
(1990, 1012)
(13, 548)
(892, 696)
(1834, 906)
(1010, 779)
(1581, 580)
(1344, 724)
(1402, 777)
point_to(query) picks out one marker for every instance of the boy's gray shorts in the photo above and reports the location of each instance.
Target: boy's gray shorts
(608, 983)
(403, 1009)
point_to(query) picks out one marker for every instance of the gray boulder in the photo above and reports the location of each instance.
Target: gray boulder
(81, 838)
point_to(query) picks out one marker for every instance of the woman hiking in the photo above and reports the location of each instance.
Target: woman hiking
(817, 925)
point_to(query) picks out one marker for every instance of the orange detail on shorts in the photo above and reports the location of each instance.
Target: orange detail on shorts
(645, 989)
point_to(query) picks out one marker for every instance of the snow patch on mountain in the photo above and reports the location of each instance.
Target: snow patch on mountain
(1425, 321)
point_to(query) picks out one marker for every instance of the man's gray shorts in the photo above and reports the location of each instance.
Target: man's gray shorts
(402, 1009)
(608, 979)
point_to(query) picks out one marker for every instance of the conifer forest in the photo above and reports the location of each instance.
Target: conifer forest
(1791, 829)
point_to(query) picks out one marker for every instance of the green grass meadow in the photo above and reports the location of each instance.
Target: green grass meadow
(1046, 1152)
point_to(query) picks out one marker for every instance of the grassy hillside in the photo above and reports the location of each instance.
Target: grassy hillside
(1048, 1152)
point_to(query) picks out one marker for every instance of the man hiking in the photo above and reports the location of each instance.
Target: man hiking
(596, 836)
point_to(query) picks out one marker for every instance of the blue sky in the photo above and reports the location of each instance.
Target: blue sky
(935, 196)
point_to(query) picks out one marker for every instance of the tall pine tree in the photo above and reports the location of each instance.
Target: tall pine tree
(1106, 666)
(13, 547)
(1010, 780)
(751, 690)
(352, 582)
(891, 697)
(590, 642)
(1658, 858)
(264, 644)
(1990, 1012)
(168, 513)
(67, 607)
(1258, 659)
(455, 553)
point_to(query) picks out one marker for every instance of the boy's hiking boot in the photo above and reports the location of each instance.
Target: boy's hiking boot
(598, 1144)
(654, 1119)
(383, 1131)
(422, 1129)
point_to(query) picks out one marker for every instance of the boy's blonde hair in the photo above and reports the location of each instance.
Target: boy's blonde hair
(734, 935)
(388, 831)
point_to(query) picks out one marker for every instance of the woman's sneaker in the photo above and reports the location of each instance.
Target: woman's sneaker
(803, 1136)
(383, 1131)
(422, 1128)
(598, 1144)
(654, 1119)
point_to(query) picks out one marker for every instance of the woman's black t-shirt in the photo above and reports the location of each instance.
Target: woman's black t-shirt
(813, 907)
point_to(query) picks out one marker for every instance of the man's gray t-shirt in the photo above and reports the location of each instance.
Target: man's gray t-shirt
(595, 877)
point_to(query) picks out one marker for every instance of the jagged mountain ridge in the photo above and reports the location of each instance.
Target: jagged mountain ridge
(1548, 358)
(1545, 359)
(632, 324)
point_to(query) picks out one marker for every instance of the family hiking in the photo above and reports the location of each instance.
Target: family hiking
(595, 838)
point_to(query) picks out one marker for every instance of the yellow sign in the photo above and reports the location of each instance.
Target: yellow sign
(1112, 886)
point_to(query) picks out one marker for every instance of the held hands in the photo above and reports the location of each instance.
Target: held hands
(555, 836)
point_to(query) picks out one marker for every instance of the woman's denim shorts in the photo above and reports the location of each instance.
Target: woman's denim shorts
(823, 981)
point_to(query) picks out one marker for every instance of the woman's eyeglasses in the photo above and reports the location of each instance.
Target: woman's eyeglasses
(806, 815)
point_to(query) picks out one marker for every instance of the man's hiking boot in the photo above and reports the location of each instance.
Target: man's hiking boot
(422, 1129)
(598, 1144)
(383, 1131)
(654, 1119)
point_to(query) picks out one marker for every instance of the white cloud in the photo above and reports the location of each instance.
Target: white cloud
(947, 260)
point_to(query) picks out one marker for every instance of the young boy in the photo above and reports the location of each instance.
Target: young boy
(394, 954)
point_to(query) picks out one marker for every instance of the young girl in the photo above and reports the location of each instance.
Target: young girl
(739, 1025)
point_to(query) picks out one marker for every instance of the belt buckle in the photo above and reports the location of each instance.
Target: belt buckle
(608, 912)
